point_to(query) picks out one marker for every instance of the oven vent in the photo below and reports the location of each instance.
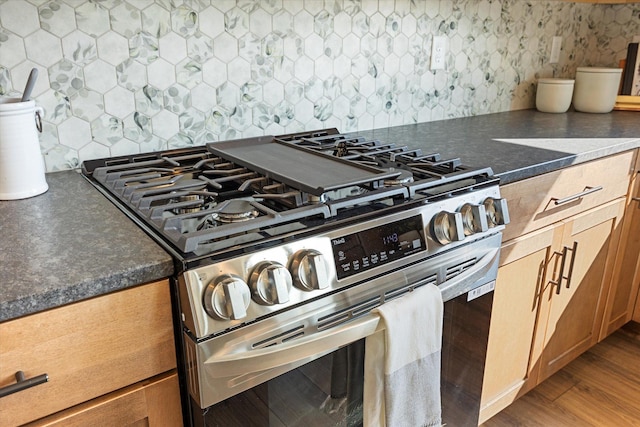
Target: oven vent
(459, 268)
(285, 336)
(342, 316)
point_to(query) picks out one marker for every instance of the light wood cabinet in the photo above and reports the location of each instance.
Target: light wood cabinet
(534, 329)
(626, 280)
(572, 312)
(546, 199)
(154, 402)
(511, 369)
(88, 349)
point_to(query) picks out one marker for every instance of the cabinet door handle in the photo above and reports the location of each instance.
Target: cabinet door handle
(636, 199)
(587, 191)
(573, 250)
(558, 283)
(23, 383)
(563, 254)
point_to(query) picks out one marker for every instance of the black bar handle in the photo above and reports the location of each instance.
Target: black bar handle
(573, 260)
(23, 383)
(558, 283)
(563, 254)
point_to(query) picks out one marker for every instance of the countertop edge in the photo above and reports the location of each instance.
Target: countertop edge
(564, 162)
(89, 288)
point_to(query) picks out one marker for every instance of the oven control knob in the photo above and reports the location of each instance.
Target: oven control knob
(227, 298)
(270, 283)
(446, 227)
(309, 270)
(497, 212)
(474, 219)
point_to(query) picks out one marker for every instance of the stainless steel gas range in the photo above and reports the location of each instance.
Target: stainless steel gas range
(285, 244)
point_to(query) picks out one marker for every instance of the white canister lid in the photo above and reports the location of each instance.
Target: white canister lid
(598, 70)
(554, 81)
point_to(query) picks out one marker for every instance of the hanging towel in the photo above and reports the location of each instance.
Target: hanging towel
(402, 362)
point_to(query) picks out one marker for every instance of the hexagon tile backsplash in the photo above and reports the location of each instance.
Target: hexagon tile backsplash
(128, 76)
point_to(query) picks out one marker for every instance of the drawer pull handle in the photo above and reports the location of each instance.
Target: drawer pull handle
(23, 383)
(587, 190)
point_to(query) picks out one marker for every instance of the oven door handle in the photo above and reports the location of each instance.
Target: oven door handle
(308, 348)
(302, 349)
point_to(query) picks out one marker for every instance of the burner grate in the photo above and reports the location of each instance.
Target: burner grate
(293, 180)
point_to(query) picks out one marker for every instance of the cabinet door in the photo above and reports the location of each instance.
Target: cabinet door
(626, 277)
(574, 315)
(509, 372)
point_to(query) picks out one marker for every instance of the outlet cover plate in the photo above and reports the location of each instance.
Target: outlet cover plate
(438, 52)
(556, 46)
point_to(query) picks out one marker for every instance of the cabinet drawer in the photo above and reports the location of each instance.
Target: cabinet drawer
(545, 199)
(153, 402)
(88, 349)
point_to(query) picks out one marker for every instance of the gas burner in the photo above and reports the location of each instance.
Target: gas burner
(406, 174)
(188, 198)
(341, 149)
(192, 202)
(317, 199)
(405, 177)
(236, 211)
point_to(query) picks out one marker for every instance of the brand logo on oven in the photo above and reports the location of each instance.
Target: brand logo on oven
(340, 241)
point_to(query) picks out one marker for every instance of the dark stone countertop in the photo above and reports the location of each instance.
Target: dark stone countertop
(521, 144)
(68, 244)
(71, 243)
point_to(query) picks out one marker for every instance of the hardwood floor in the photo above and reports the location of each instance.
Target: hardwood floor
(601, 388)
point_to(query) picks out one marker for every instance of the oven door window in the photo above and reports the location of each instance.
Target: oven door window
(324, 392)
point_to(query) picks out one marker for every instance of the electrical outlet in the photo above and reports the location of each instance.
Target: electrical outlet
(438, 52)
(556, 46)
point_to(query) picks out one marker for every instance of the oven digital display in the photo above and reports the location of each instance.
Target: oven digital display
(370, 248)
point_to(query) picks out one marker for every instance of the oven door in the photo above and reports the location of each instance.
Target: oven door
(317, 379)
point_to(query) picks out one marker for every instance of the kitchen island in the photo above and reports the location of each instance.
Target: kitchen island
(71, 243)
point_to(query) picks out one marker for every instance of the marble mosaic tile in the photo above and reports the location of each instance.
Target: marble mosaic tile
(120, 77)
(137, 127)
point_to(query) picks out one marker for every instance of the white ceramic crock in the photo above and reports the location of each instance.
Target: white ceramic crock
(554, 95)
(21, 163)
(596, 89)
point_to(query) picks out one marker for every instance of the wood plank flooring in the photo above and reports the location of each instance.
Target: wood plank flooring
(601, 389)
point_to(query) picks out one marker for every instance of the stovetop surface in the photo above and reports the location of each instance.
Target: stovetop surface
(231, 195)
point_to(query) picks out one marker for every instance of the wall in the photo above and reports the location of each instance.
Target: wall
(120, 77)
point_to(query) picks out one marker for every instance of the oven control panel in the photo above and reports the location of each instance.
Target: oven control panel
(240, 290)
(367, 249)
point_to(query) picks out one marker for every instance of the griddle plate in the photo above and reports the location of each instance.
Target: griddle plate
(299, 167)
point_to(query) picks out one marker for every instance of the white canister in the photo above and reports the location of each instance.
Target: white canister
(554, 95)
(21, 164)
(596, 89)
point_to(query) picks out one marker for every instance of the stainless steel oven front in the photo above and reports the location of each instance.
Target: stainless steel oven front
(304, 365)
